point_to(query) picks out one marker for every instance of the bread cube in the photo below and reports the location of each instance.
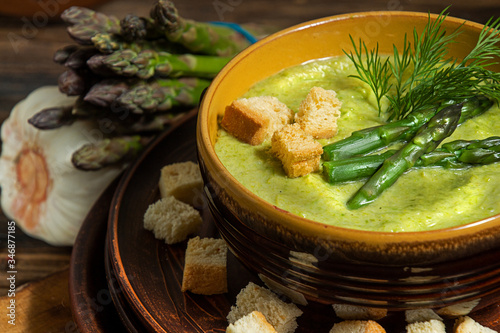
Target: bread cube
(255, 119)
(172, 220)
(254, 322)
(281, 315)
(355, 312)
(298, 151)
(318, 113)
(466, 324)
(415, 315)
(205, 270)
(183, 181)
(358, 326)
(433, 325)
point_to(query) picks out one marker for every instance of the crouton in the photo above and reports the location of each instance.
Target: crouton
(415, 315)
(254, 322)
(172, 220)
(459, 309)
(183, 181)
(299, 153)
(205, 270)
(282, 315)
(254, 120)
(355, 312)
(358, 326)
(466, 324)
(318, 113)
(429, 326)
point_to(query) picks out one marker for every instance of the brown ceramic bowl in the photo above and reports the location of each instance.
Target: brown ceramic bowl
(394, 270)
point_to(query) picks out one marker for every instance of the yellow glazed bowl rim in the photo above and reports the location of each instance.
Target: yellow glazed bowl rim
(206, 141)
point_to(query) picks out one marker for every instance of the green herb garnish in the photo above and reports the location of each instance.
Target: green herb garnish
(420, 76)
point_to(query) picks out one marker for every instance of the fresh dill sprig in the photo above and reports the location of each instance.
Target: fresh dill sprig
(372, 70)
(420, 76)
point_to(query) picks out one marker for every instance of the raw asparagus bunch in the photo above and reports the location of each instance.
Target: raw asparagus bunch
(134, 76)
(452, 155)
(372, 139)
(428, 137)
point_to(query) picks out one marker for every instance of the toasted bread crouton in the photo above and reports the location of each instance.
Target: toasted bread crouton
(415, 315)
(429, 326)
(255, 119)
(299, 153)
(205, 270)
(182, 181)
(172, 220)
(468, 325)
(254, 322)
(357, 326)
(318, 113)
(282, 315)
(459, 309)
(355, 312)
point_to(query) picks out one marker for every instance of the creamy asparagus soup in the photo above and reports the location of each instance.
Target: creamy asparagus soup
(421, 199)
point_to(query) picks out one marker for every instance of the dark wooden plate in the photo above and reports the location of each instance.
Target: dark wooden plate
(91, 304)
(149, 272)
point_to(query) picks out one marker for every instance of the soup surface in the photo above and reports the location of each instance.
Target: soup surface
(422, 199)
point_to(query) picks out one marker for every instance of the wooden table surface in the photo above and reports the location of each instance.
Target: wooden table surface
(27, 44)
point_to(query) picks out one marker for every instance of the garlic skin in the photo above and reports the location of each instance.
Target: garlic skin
(41, 189)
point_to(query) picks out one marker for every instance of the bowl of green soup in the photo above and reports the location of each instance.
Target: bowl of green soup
(426, 232)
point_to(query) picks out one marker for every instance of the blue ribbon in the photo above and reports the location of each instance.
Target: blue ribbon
(238, 28)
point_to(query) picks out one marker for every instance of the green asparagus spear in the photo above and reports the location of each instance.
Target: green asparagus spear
(74, 82)
(105, 92)
(62, 55)
(85, 23)
(482, 152)
(110, 151)
(198, 37)
(109, 43)
(427, 138)
(149, 63)
(146, 125)
(52, 118)
(78, 59)
(372, 139)
(97, 66)
(163, 95)
(109, 122)
(74, 56)
(135, 28)
(354, 168)
(452, 155)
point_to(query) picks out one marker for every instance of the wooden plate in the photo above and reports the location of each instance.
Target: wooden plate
(91, 304)
(149, 272)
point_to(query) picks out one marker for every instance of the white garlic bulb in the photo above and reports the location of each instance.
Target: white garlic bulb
(41, 190)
